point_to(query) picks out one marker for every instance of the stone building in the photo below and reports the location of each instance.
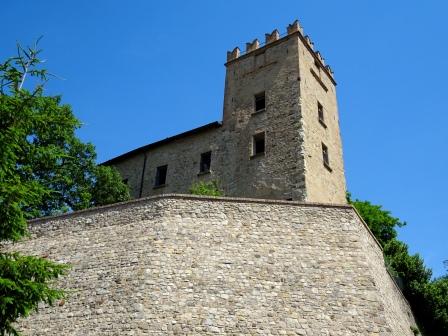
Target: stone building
(279, 137)
(178, 264)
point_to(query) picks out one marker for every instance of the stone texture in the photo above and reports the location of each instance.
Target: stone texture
(279, 174)
(321, 184)
(184, 265)
(292, 166)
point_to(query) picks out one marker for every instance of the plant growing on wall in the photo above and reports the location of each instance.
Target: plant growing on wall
(44, 169)
(210, 188)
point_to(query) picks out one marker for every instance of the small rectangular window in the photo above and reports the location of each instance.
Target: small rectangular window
(206, 160)
(320, 114)
(325, 156)
(258, 144)
(161, 176)
(260, 102)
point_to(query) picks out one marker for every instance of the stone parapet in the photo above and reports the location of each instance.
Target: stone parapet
(294, 28)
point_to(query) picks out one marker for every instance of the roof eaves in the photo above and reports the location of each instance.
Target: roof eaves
(212, 125)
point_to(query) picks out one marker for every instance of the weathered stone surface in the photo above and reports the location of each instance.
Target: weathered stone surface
(192, 265)
(292, 167)
(321, 184)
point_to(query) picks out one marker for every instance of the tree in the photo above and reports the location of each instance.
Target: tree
(44, 169)
(24, 282)
(108, 187)
(428, 298)
(382, 224)
(436, 298)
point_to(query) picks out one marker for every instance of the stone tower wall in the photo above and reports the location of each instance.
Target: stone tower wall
(273, 69)
(190, 265)
(323, 184)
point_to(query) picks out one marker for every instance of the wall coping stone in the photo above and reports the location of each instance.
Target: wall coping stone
(205, 198)
(189, 197)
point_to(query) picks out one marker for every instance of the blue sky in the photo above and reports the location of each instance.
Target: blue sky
(139, 71)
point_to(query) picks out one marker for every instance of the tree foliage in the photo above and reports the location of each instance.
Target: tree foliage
(210, 188)
(44, 169)
(428, 298)
(24, 281)
(108, 187)
(382, 224)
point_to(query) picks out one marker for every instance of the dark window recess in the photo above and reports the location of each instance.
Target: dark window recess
(260, 102)
(161, 176)
(258, 143)
(320, 112)
(325, 157)
(206, 160)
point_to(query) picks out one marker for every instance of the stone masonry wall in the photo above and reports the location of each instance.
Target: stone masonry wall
(182, 157)
(131, 170)
(278, 174)
(322, 185)
(191, 265)
(394, 303)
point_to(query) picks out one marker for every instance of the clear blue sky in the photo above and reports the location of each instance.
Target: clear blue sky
(139, 71)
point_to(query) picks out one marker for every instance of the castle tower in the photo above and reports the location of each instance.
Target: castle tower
(280, 110)
(279, 138)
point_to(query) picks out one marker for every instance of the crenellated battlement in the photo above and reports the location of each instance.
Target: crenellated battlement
(294, 27)
(319, 56)
(274, 36)
(309, 42)
(251, 46)
(235, 53)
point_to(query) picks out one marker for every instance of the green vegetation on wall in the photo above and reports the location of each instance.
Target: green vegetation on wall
(428, 297)
(210, 188)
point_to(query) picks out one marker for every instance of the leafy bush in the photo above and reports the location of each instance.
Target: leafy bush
(210, 188)
(108, 187)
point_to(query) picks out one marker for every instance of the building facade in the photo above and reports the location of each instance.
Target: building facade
(279, 137)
